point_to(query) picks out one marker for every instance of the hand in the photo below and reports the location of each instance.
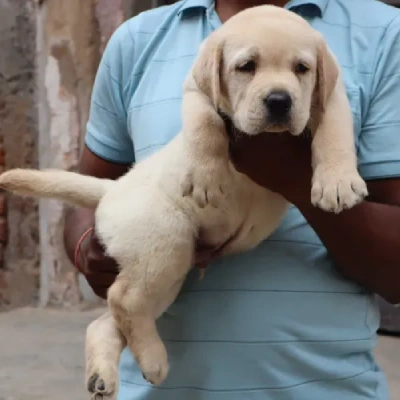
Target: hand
(279, 162)
(99, 270)
(204, 254)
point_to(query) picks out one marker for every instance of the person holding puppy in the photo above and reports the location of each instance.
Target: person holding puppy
(296, 317)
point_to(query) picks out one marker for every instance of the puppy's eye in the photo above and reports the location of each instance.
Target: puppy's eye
(301, 68)
(249, 66)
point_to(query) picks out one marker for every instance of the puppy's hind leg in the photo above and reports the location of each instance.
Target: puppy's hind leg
(104, 344)
(143, 291)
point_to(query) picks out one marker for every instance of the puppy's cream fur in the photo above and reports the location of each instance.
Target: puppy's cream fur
(149, 219)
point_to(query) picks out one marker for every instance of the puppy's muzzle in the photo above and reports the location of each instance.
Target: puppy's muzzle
(278, 105)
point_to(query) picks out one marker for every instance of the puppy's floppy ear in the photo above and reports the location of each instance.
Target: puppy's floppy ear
(207, 69)
(327, 74)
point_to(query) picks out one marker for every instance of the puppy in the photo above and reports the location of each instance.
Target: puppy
(275, 75)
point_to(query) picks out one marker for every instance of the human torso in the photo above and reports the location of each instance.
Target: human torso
(278, 322)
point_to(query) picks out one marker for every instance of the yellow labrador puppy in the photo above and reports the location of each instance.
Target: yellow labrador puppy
(275, 75)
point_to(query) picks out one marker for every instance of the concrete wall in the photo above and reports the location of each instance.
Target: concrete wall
(19, 133)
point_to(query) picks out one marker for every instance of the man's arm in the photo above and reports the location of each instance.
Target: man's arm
(365, 240)
(100, 271)
(108, 153)
(78, 220)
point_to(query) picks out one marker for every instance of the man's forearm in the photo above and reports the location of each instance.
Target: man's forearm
(77, 221)
(364, 242)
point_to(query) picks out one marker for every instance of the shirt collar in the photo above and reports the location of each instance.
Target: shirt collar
(318, 6)
(309, 7)
(191, 4)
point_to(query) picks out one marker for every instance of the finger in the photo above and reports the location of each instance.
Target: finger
(102, 266)
(203, 257)
(202, 266)
(100, 279)
(100, 291)
(96, 254)
(202, 245)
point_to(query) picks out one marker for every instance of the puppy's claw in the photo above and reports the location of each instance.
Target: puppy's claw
(155, 376)
(204, 196)
(200, 197)
(338, 191)
(207, 185)
(154, 364)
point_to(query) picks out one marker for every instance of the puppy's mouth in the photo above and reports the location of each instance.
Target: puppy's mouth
(234, 133)
(277, 123)
(278, 127)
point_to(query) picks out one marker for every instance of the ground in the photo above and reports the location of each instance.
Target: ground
(41, 354)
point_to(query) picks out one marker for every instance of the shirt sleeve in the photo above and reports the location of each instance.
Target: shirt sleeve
(107, 132)
(379, 145)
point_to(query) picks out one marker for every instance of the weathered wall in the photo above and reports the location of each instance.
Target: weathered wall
(71, 37)
(18, 131)
(50, 54)
(68, 51)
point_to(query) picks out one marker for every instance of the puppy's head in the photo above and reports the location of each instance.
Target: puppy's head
(268, 70)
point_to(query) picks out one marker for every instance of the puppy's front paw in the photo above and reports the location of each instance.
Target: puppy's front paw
(335, 190)
(207, 185)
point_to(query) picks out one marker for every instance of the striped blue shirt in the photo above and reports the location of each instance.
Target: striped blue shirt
(279, 322)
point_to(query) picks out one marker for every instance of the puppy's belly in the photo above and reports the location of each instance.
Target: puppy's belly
(247, 219)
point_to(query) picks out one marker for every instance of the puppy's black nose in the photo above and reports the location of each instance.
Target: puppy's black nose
(278, 103)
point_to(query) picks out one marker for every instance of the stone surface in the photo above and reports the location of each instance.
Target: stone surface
(43, 356)
(388, 357)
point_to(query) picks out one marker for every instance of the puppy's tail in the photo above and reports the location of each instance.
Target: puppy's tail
(70, 187)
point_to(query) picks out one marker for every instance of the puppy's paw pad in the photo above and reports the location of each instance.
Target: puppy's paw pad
(101, 388)
(338, 191)
(206, 186)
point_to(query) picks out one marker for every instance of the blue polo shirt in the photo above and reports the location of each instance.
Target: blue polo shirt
(279, 322)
